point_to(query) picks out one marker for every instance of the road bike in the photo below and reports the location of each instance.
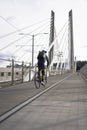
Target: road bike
(38, 78)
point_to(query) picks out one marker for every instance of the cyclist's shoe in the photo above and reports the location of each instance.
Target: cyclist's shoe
(42, 83)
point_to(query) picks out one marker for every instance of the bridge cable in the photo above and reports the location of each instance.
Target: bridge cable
(8, 34)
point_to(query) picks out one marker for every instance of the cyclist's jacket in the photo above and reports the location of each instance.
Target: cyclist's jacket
(41, 60)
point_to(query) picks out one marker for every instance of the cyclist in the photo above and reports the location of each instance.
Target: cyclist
(42, 59)
(78, 69)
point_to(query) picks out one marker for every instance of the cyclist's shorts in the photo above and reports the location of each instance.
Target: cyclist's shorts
(41, 65)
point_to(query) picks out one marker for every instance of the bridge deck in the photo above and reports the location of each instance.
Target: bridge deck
(63, 107)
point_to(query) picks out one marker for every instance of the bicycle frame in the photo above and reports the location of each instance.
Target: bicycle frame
(38, 78)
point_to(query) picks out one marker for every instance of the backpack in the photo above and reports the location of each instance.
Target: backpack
(40, 56)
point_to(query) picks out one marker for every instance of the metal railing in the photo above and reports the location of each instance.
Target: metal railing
(12, 71)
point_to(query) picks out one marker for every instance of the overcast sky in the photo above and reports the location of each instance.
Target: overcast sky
(26, 12)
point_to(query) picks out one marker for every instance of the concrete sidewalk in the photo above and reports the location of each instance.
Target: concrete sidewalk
(62, 108)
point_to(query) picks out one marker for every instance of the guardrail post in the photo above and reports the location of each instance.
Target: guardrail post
(49, 70)
(29, 72)
(12, 71)
(22, 71)
(35, 68)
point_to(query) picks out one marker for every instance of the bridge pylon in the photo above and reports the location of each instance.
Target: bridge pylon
(51, 39)
(71, 44)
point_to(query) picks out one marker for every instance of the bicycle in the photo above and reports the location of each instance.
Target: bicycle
(78, 72)
(38, 78)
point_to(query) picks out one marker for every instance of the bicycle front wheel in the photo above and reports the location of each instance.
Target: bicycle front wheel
(37, 81)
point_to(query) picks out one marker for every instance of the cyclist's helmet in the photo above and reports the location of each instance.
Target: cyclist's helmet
(44, 51)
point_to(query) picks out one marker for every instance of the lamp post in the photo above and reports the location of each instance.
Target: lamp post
(60, 55)
(33, 36)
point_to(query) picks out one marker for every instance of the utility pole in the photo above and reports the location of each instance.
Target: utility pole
(33, 36)
(32, 50)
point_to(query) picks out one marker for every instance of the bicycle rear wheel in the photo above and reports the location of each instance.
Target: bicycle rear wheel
(45, 78)
(37, 81)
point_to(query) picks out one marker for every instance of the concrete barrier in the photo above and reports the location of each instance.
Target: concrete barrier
(83, 71)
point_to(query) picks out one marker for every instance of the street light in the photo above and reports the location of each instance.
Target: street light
(32, 43)
(60, 55)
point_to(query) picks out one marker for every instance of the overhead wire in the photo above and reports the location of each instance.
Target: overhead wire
(41, 39)
(20, 47)
(1, 49)
(19, 30)
(43, 31)
(19, 39)
(27, 27)
(37, 28)
(38, 39)
(9, 23)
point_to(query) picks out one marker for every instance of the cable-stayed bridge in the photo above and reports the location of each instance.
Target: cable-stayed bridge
(33, 38)
(19, 48)
(62, 103)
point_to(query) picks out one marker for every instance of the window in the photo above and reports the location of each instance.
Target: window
(9, 73)
(2, 73)
(17, 73)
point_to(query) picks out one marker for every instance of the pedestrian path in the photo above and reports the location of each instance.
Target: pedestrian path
(63, 107)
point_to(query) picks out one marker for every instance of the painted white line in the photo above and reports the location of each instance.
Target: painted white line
(17, 108)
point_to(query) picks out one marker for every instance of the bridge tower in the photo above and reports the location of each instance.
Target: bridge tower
(71, 45)
(51, 52)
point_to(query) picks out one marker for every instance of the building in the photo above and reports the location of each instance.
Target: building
(6, 74)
